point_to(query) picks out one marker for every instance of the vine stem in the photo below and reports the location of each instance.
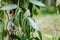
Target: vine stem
(55, 24)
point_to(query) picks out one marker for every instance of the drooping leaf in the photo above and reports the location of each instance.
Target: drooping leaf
(27, 13)
(40, 35)
(9, 7)
(36, 2)
(1, 27)
(32, 23)
(17, 17)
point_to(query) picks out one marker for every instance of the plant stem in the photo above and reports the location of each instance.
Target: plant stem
(0, 3)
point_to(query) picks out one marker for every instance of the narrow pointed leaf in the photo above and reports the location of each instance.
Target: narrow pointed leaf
(9, 7)
(36, 2)
(40, 35)
(1, 27)
(1, 36)
(32, 23)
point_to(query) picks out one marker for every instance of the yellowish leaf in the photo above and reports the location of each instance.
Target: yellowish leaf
(57, 3)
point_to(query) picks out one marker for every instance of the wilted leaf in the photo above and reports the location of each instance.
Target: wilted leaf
(32, 23)
(9, 7)
(36, 2)
(27, 13)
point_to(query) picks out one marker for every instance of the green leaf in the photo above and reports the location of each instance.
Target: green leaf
(1, 36)
(59, 38)
(36, 2)
(1, 15)
(37, 6)
(32, 23)
(16, 21)
(35, 12)
(1, 27)
(23, 37)
(4, 33)
(40, 35)
(9, 7)
(27, 13)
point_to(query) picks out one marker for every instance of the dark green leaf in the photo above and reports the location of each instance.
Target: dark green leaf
(30, 8)
(23, 37)
(35, 12)
(59, 38)
(14, 37)
(37, 6)
(4, 33)
(40, 35)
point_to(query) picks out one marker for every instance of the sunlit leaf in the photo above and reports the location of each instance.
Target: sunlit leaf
(32, 23)
(58, 2)
(36, 2)
(9, 7)
(27, 13)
